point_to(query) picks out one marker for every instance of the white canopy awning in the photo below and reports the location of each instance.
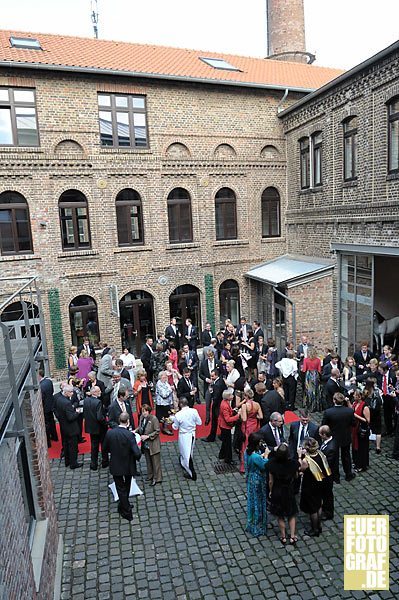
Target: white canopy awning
(291, 270)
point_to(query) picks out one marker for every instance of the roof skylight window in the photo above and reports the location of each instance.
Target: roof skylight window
(219, 63)
(28, 43)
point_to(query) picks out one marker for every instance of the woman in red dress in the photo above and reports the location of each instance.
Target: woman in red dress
(251, 416)
(312, 368)
(360, 433)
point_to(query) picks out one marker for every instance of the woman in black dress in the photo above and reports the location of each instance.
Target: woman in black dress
(315, 469)
(360, 432)
(282, 474)
(372, 396)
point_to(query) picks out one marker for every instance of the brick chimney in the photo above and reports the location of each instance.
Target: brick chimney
(286, 30)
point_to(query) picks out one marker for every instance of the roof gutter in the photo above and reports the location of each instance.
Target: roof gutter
(98, 71)
(342, 78)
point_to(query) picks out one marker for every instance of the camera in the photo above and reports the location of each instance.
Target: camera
(262, 446)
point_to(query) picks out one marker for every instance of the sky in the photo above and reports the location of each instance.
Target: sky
(341, 33)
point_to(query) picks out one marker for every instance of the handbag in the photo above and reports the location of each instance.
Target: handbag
(364, 430)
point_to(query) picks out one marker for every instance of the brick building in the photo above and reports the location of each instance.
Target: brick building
(343, 191)
(30, 546)
(140, 182)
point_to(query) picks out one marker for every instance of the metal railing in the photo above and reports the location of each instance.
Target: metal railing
(22, 347)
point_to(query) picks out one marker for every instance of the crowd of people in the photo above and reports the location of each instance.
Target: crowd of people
(247, 386)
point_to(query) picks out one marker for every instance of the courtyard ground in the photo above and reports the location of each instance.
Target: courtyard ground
(187, 539)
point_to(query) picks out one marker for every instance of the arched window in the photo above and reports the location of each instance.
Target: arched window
(229, 301)
(350, 148)
(271, 213)
(393, 135)
(74, 217)
(15, 232)
(226, 214)
(129, 218)
(184, 303)
(179, 215)
(83, 316)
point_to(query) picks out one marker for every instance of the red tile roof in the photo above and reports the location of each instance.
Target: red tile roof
(158, 61)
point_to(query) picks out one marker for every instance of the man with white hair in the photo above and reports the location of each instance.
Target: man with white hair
(68, 417)
(185, 422)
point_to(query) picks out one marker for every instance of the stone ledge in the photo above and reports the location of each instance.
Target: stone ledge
(14, 257)
(125, 249)
(392, 176)
(78, 253)
(37, 550)
(222, 243)
(268, 240)
(183, 246)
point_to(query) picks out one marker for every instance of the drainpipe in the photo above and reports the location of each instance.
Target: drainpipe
(293, 313)
(279, 105)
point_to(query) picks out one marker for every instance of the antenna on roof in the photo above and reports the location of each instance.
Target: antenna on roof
(94, 17)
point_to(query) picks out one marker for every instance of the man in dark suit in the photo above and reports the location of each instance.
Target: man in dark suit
(92, 381)
(244, 330)
(332, 364)
(206, 335)
(257, 331)
(185, 387)
(333, 386)
(300, 430)
(146, 357)
(330, 449)
(208, 364)
(362, 359)
(47, 393)
(270, 403)
(173, 334)
(122, 404)
(386, 383)
(190, 335)
(67, 417)
(340, 419)
(191, 360)
(118, 382)
(88, 347)
(122, 446)
(213, 399)
(273, 432)
(95, 425)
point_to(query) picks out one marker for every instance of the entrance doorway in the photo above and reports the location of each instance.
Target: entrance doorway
(136, 311)
(229, 302)
(184, 303)
(280, 327)
(83, 317)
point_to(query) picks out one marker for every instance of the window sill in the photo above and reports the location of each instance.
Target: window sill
(312, 190)
(124, 249)
(183, 246)
(37, 550)
(269, 240)
(78, 253)
(350, 184)
(223, 243)
(392, 176)
(112, 150)
(14, 257)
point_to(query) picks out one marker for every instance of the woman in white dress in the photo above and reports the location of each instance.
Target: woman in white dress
(129, 362)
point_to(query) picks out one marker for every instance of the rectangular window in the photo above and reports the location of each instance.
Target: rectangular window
(393, 136)
(350, 149)
(317, 141)
(123, 122)
(305, 163)
(18, 119)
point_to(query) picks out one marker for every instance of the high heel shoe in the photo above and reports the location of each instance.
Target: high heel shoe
(312, 532)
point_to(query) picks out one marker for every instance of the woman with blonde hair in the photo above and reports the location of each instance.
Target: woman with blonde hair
(312, 369)
(163, 400)
(72, 358)
(251, 416)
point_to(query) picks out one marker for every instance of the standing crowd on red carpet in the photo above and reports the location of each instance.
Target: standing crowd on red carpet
(247, 386)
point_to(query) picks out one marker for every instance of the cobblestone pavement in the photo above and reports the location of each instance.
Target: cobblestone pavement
(187, 539)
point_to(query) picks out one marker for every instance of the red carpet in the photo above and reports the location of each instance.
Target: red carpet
(202, 431)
